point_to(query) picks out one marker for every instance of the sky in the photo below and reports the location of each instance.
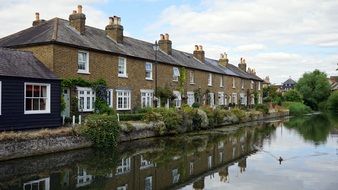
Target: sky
(280, 39)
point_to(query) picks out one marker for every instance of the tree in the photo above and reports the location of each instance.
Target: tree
(333, 102)
(314, 87)
(292, 96)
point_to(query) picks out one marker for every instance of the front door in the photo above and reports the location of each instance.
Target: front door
(66, 97)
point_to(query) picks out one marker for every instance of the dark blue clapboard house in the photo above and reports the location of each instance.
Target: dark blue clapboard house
(29, 92)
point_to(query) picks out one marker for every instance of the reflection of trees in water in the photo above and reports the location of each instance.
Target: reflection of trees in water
(315, 128)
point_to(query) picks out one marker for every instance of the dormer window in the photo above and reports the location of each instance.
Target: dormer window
(83, 62)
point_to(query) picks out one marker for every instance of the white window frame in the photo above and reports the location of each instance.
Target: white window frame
(30, 183)
(128, 103)
(86, 70)
(124, 166)
(150, 181)
(85, 96)
(210, 79)
(48, 100)
(242, 83)
(144, 163)
(190, 98)
(83, 177)
(259, 85)
(150, 71)
(210, 162)
(252, 84)
(110, 97)
(176, 74)
(243, 99)
(221, 82)
(192, 77)
(233, 82)
(221, 97)
(234, 98)
(175, 175)
(178, 99)
(148, 98)
(122, 61)
(0, 96)
(124, 187)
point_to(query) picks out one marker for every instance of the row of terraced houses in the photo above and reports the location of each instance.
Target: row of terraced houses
(132, 68)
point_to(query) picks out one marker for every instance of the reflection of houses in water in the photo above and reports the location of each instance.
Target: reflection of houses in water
(40, 184)
(163, 170)
(83, 178)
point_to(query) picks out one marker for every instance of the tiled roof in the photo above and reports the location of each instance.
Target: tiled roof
(59, 31)
(17, 63)
(289, 81)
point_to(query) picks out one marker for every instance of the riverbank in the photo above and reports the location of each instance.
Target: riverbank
(30, 143)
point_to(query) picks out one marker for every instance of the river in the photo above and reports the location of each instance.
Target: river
(245, 157)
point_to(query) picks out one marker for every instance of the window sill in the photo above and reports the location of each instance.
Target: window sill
(36, 112)
(175, 80)
(150, 79)
(209, 85)
(85, 111)
(122, 76)
(122, 109)
(83, 72)
(192, 83)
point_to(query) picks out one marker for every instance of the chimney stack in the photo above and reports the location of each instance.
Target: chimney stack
(165, 44)
(114, 29)
(223, 60)
(78, 20)
(37, 20)
(242, 65)
(199, 53)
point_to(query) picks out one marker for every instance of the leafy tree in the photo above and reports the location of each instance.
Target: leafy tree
(270, 94)
(314, 87)
(292, 96)
(332, 102)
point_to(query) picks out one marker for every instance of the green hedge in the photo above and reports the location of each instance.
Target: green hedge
(132, 117)
(297, 108)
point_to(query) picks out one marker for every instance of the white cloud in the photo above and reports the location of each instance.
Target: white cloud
(250, 47)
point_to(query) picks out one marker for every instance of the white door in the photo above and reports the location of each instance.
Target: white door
(66, 97)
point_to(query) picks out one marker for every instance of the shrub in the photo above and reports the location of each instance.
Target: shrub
(199, 119)
(102, 130)
(293, 96)
(240, 114)
(298, 108)
(196, 105)
(152, 116)
(131, 117)
(332, 103)
(262, 108)
(172, 119)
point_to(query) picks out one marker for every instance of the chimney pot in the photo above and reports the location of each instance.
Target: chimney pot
(165, 44)
(161, 37)
(166, 36)
(37, 16)
(225, 55)
(74, 12)
(111, 20)
(79, 9)
(114, 29)
(199, 53)
(200, 47)
(196, 48)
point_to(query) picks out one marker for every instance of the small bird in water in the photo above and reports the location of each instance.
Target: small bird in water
(280, 160)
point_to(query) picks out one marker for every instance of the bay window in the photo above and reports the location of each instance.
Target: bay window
(86, 99)
(83, 62)
(147, 98)
(37, 98)
(123, 99)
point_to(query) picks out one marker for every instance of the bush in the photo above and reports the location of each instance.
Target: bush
(298, 108)
(196, 105)
(262, 108)
(199, 119)
(173, 120)
(102, 130)
(332, 102)
(240, 114)
(152, 116)
(293, 96)
(131, 117)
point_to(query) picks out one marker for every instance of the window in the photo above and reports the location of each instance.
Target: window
(149, 71)
(176, 74)
(83, 62)
(178, 99)
(191, 98)
(175, 175)
(221, 81)
(242, 81)
(123, 166)
(210, 79)
(148, 183)
(209, 162)
(86, 98)
(242, 99)
(252, 99)
(123, 99)
(122, 67)
(220, 98)
(0, 96)
(233, 82)
(110, 97)
(83, 178)
(37, 184)
(37, 98)
(192, 77)
(259, 85)
(211, 98)
(145, 163)
(147, 98)
(221, 157)
(252, 84)
(234, 98)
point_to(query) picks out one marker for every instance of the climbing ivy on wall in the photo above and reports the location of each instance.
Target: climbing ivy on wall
(182, 79)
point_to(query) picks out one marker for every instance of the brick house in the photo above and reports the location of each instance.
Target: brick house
(71, 49)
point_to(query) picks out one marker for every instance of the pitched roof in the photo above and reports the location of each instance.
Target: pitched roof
(59, 31)
(17, 63)
(289, 81)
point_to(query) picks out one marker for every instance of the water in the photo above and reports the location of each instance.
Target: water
(245, 158)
